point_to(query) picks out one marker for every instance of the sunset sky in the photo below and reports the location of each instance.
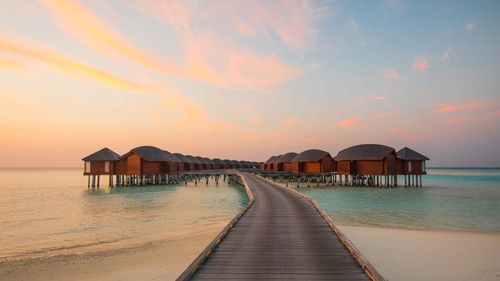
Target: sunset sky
(248, 79)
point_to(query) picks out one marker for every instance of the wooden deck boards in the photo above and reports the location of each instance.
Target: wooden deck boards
(281, 237)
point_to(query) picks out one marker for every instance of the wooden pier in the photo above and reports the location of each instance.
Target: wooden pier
(280, 235)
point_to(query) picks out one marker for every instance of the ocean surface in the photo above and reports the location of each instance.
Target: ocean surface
(45, 212)
(451, 199)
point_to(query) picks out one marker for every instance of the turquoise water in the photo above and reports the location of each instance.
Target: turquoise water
(47, 212)
(451, 199)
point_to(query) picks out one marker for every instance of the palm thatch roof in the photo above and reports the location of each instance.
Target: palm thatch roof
(151, 153)
(208, 161)
(410, 154)
(311, 155)
(275, 160)
(104, 154)
(365, 152)
(287, 157)
(193, 159)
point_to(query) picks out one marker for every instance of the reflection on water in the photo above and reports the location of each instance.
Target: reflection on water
(51, 211)
(454, 199)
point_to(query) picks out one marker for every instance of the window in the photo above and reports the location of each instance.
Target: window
(87, 167)
(106, 167)
(409, 166)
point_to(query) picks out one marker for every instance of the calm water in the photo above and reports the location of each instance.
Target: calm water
(51, 211)
(451, 199)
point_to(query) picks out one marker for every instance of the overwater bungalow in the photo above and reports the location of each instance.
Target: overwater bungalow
(150, 160)
(228, 164)
(101, 162)
(184, 163)
(368, 164)
(312, 161)
(284, 162)
(273, 165)
(195, 164)
(267, 164)
(219, 164)
(209, 163)
(412, 165)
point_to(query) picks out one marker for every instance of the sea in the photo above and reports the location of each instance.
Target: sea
(46, 212)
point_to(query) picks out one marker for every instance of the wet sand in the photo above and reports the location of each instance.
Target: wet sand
(409, 255)
(163, 260)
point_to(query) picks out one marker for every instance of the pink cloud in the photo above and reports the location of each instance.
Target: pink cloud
(421, 64)
(453, 121)
(289, 122)
(475, 105)
(391, 74)
(349, 122)
(378, 98)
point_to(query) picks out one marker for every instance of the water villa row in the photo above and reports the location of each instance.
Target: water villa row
(359, 165)
(151, 165)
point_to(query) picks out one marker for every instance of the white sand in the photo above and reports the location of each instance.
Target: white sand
(159, 261)
(408, 255)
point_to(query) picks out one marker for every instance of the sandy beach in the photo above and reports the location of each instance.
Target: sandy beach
(164, 260)
(429, 255)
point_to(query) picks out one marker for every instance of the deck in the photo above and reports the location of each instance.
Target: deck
(281, 236)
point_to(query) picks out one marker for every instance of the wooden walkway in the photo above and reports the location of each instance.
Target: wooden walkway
(282, 236)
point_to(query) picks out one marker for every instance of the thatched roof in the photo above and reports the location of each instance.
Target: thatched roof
(275, 160)
(151, 153)
(311, 155)
(227, 161)
(182, 158)
(208, 160)
(410, 154)
(104, 154)
(270, 159)
(287, 157)
(193, 159)
(365, 152)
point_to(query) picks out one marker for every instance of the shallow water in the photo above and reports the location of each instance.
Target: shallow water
(50, 211)
(451, 199)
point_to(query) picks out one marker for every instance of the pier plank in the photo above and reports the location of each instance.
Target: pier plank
(282, 236)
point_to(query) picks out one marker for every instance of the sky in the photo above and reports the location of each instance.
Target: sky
(248, 79)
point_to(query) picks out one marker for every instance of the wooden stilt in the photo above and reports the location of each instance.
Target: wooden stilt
(88, 181)
(98, 180)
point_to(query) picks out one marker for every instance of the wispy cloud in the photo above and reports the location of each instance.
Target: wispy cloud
(391, 74)
(210, 36)
(255, 119)
(469, 26)
(10, 64)
(378, 98)
(445, 55)
(289, 122)
(349, 122)
(474, 105)
(421, 64)
(92, 30)
(67, 65)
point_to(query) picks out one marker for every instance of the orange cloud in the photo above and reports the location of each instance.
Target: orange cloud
(459, 107)
(453, 121)
(391, 74)
(349, 122)
(10, 64)
(90, 29)
(421, 64)
(67, 65)
(210, 38)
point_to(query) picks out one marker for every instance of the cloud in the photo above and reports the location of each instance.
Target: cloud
(421, 64)
(453, 121)
(349, 122)
(378, 98)
(255, 119)
(90, 29)
(474, 105)
(469, 26)
(10, 64)
(67, 65)
(445, 55)
(212, 36)
(289, 122)
(391, 74)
